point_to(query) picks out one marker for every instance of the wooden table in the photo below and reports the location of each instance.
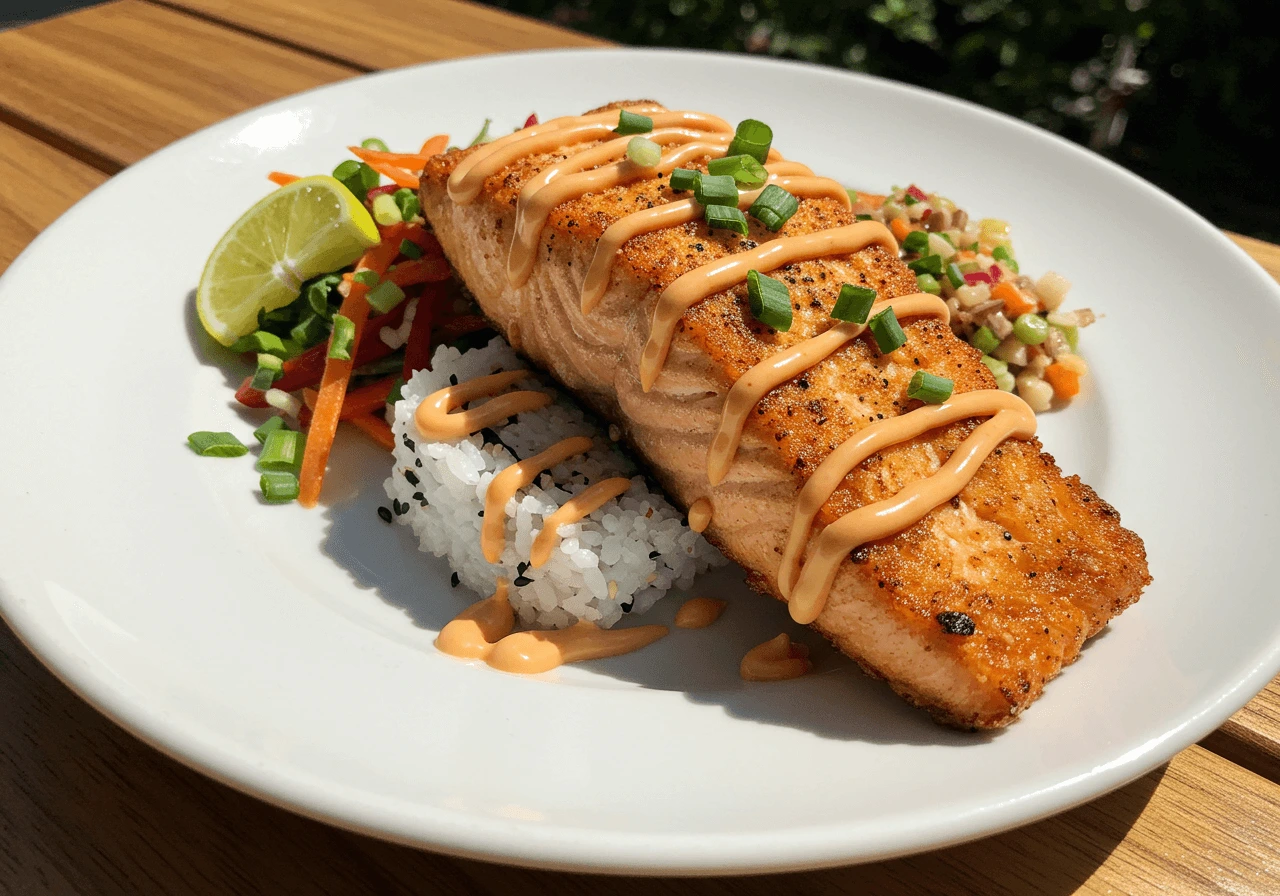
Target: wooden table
(85, 808)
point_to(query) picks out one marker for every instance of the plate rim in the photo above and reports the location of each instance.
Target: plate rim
(562, 848)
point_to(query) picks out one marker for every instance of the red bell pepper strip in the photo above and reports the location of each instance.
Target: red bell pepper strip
(417, 351)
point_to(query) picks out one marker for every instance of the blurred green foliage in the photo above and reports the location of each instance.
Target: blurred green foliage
(1184, 94)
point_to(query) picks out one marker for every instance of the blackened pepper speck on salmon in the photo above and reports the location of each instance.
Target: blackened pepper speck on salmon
(1023, 567)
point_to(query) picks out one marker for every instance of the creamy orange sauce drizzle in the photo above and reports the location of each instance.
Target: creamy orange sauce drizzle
(699, 612)
(686, 211)
(777, 659)
(435, 418)
(789, 363)
(503, 487)
(467, 179)
(578, 175)
(696, 135)
(691, 288)
(700, 514)
(586, 502)
(483, 631)
(1013, 419)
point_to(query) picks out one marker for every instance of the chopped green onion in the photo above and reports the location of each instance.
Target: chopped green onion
(310, 330)
(929, 388)
(1072, 334)
(752, 138)
(887, 332)
(974, 247)
(930, 264)
(283, 401)
(292, 348)
(216, 444)
(259, 341)
(407, 201)
(917, 241)
(1005, 381)
(385, 210)
(344, 333)
(278, 487)
(774, 207)
(270, 368)
(726, 217)
(374, 143)
(318, 291)
(357, 177)
(1002, 253)
(483, 136)
(770, 301)
(385, 296)
(863, 218)
(644, 152)
(955, 275)
(908, 199)
(685, 179)
(721, 190)
(995, 365)
(397, 391)
(984, 340)
(282, 450)
(742, 168)
(854, 304)
(410, 250)
(631, 123)
(267, 428)
(928, 283)
(368, 278)
(1030, 329)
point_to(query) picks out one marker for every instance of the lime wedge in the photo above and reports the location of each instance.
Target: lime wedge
(307, 228)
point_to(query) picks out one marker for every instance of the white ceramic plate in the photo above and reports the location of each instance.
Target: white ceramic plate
(289, 653)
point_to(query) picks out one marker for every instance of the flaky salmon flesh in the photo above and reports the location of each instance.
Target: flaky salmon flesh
(1036, 560)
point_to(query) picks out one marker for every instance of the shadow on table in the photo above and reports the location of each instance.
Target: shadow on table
(94, 810)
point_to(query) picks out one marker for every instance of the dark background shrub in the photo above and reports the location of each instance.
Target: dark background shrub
(1183, 93)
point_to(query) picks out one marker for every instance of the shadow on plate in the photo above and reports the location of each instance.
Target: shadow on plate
(837, 701)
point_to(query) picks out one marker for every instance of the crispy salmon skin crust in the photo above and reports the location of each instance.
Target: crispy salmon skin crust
(1035, 560)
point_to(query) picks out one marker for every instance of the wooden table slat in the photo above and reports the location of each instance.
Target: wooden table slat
(402, 32)
(89, 809)
(37, 183)
(153, 75)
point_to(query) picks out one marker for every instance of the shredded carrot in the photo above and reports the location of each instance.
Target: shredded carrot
(421, 270)
(398, 176)
(280, 179)
(436, 145)
(367, 399)
(374, 428)
(900, 228)
(1015, 301)
(875, 200)
(1065, 381)
(337, 375)
(411, 160)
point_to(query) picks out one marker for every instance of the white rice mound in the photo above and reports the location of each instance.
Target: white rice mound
(620, 559)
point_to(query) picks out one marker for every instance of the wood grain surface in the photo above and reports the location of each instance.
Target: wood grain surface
(86, 808)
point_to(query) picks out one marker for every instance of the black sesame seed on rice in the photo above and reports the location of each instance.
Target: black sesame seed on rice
(521, 581)
(454, 580)
(385, 514)
(411, 476)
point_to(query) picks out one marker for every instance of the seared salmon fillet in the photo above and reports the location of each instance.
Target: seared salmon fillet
(967, 613)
